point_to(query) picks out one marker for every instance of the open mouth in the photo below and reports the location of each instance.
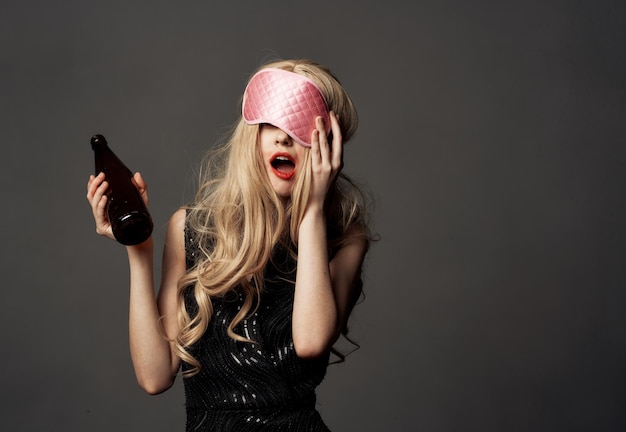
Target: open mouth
(283, 166)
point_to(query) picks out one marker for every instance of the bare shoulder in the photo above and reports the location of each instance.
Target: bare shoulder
(345, 271)
(173, 265)
(176, 229)
(351, 254)
(177, 220)
(356, 243)
(348, 258)
(174, 251)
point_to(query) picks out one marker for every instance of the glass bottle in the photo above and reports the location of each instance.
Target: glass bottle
(126, 210)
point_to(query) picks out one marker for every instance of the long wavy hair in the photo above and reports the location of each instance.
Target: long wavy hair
(237, 219)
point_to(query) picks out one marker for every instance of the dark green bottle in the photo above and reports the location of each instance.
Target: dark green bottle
(127, 213)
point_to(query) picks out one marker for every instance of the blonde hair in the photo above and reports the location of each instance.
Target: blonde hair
(237, 218)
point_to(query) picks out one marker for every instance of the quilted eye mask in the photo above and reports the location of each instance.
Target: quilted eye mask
(286, 100)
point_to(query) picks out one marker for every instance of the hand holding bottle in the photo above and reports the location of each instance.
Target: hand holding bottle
(118, 198)
(96, 195)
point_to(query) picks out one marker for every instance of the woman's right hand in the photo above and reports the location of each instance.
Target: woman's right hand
(96, 188)
(96, 195)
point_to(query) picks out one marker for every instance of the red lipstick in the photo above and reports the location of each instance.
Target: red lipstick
(283, 165)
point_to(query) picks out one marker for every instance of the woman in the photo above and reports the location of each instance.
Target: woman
(261, 272)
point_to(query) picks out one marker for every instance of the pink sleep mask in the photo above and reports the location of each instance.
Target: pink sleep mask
(287, 100)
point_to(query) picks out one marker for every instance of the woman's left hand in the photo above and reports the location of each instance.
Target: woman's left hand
(326, 160)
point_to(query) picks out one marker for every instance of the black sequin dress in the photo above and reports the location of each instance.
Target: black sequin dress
(261, 386)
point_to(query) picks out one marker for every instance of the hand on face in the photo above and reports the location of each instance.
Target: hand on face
(326, 160)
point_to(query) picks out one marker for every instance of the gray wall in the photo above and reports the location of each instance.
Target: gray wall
(492, 138)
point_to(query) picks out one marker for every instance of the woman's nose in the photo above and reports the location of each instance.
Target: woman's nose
(282, 138)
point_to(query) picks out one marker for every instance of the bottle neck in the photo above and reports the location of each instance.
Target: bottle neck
(98, 142)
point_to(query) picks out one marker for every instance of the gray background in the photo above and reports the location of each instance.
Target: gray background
(492, 137)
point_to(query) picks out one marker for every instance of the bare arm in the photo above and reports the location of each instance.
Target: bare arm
(324, 289)
(152, 355)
